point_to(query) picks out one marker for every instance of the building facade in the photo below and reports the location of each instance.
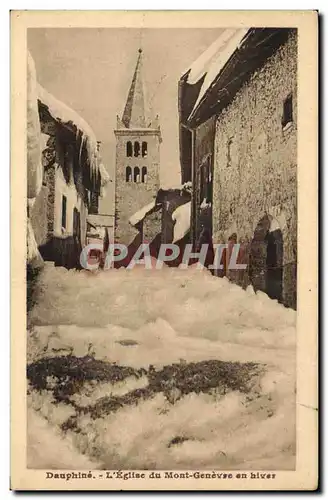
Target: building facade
(246, 118)
(71, 179)
(170, 206)
(137, 163)
(255, 182)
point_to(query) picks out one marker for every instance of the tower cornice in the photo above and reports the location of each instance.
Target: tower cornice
(137, 131)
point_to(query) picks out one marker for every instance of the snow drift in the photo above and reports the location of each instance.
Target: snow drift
(124, 330)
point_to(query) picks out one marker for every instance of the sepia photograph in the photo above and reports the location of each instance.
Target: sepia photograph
(162, 233)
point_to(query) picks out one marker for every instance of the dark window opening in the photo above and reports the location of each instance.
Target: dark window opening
(128, 174)
(76, 224)
(44, 177)
(136, 177)
(136, 149)
(129, 149)
(144, 175)
(144, 150)
(206, 186)
(68, 164)
(287, 116)
(64, 211)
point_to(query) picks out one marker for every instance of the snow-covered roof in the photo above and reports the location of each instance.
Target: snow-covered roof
(33, 133)
(142, 213)
(101, 220)
(200, 66)
(181, 216)
(213, 60)
(187, 186)
(63, 113)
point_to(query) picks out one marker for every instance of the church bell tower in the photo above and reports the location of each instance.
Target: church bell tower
(137, 159)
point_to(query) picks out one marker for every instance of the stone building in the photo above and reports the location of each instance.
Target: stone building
(171, 205)
(71, 177)
(238, 145)
(102, 225)
(137, 163)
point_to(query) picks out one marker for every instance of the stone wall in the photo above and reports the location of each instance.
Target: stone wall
(56, 243)
(132, 196)
(204, 146)
(255, 170)
(38, 216)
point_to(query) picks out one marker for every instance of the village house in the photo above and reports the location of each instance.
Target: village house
(238, 147)
(100, 226)
(72, 179)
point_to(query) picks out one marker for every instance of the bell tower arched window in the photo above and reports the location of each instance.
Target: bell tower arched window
(136, 147)
(136, 176)
(129, 149)
(144, 149)
(128, 174)
(144, 175)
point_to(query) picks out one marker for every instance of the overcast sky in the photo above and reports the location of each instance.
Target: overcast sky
(91, 69)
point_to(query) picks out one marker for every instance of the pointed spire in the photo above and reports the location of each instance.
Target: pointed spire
(134, 111)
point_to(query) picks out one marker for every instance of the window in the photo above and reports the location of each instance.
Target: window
(136, 174)
(136, 149)
(76, 224)
(129, 149)
(64, 211)
(144, 151)
(144, 175)
(287, 116)
(229, 148)
(128, 174)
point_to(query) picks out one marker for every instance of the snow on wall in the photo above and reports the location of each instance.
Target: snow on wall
(33, 131)
(181, 216)
(213, 61)
(33, 160)
(104, 175)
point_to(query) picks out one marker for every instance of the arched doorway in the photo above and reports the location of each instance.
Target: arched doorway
(266, 258)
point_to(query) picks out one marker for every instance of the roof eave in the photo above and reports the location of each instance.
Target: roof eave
(233, 73)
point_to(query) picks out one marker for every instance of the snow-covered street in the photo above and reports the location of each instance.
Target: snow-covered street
(167, 369)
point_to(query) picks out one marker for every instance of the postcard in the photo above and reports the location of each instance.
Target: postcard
(164, 194)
